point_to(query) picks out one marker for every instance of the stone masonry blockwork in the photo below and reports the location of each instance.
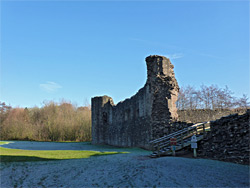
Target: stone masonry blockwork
(145, 116)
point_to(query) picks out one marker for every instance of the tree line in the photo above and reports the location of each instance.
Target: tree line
(66, 122)
(209, 97)
(52, 122)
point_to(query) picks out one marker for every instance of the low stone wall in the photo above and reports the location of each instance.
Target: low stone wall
(228, 139)
(203, 115)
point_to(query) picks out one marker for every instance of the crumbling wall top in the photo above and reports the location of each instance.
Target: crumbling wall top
(146, 115)
(159, 66)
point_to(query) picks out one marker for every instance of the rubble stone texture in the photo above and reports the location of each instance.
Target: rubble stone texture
(145, 116)
(228, 139)
(203, 115)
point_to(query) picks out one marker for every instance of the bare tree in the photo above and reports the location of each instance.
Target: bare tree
(228, 100)
(189, 98)
(182, 99)
(209, 97)
(243, 102)
(193, 97)
(205, 95)
(4, 110)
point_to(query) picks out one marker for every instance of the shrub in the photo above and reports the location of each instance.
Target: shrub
(52, 122)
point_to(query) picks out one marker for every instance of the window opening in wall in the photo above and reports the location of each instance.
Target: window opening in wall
(127, 115)
(105, 118)
(137, 113)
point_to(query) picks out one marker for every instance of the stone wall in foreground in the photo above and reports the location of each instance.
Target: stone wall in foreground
(228, 139)
(145, 116)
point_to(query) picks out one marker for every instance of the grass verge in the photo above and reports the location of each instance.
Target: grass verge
(4, 142)
(18, 155)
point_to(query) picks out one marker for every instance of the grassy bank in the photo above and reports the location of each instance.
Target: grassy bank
(4, 142)
(18, 155)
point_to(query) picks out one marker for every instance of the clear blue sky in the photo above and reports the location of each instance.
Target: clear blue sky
(52, 50)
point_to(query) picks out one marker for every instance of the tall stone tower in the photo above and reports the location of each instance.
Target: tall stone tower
(145, 116)
(164, 93)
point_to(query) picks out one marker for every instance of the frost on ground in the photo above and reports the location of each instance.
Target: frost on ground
(134, 169)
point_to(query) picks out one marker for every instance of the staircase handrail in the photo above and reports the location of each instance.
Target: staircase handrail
(162, 145)
(158, 140)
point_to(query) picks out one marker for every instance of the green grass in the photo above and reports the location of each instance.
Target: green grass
(18, 155)
(3, 142)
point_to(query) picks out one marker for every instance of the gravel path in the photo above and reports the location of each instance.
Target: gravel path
(122, 170)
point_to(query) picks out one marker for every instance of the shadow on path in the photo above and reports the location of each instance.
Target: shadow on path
(11, 158)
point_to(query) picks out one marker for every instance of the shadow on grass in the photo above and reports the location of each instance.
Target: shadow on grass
(11, 158)
(108, 153)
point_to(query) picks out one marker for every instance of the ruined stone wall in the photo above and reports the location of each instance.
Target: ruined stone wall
(143, 117)
(203, 115)
(228, 139)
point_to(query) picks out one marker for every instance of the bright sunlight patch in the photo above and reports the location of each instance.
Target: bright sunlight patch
(3, 142)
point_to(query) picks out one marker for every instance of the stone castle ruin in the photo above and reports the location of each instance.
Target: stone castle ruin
(145, 116)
